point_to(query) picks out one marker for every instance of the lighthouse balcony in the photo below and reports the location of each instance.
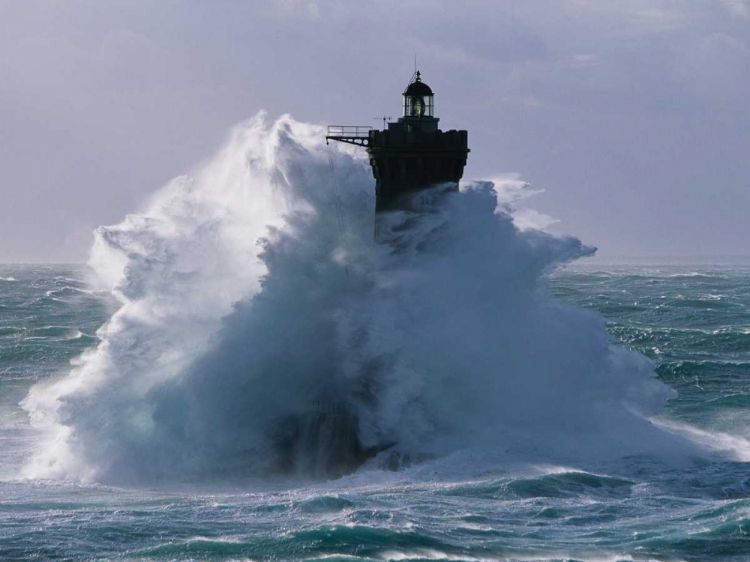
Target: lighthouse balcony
(351, 134)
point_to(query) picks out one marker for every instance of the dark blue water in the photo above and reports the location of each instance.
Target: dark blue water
(694, 322)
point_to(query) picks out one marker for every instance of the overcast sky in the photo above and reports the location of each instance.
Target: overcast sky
(632, 116)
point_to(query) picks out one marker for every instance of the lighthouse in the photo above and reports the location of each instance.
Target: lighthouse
(412, 153)
(409, 155)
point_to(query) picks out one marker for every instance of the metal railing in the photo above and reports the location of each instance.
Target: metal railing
(357, 131)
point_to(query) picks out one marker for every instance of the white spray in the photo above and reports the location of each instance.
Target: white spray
(242, 300)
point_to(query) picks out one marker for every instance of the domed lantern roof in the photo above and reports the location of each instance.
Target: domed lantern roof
(418, 88)
(418, 98)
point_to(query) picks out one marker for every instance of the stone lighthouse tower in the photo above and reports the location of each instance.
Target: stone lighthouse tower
(411, 153)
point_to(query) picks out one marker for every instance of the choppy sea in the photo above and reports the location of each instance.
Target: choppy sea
(692, 321)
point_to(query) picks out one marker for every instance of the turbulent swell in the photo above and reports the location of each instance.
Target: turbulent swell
(244, 298)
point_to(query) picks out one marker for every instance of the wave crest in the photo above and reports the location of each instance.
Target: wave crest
(243, 299)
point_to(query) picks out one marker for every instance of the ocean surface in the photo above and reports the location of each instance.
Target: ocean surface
(692, 321)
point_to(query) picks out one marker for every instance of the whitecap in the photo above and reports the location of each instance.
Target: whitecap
(243, 296)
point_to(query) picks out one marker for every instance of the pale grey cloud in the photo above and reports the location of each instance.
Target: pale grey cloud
(632, 115)
(739, 8)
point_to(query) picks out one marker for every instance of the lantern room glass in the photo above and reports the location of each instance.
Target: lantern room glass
(419, 106)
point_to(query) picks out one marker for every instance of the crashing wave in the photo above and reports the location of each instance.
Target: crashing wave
(245, 300)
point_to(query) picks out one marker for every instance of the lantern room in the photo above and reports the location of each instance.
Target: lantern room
(418, 99)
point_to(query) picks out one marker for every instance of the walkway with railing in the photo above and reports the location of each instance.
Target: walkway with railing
(351, 134)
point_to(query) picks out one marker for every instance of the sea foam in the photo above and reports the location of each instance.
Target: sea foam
(244, 296)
